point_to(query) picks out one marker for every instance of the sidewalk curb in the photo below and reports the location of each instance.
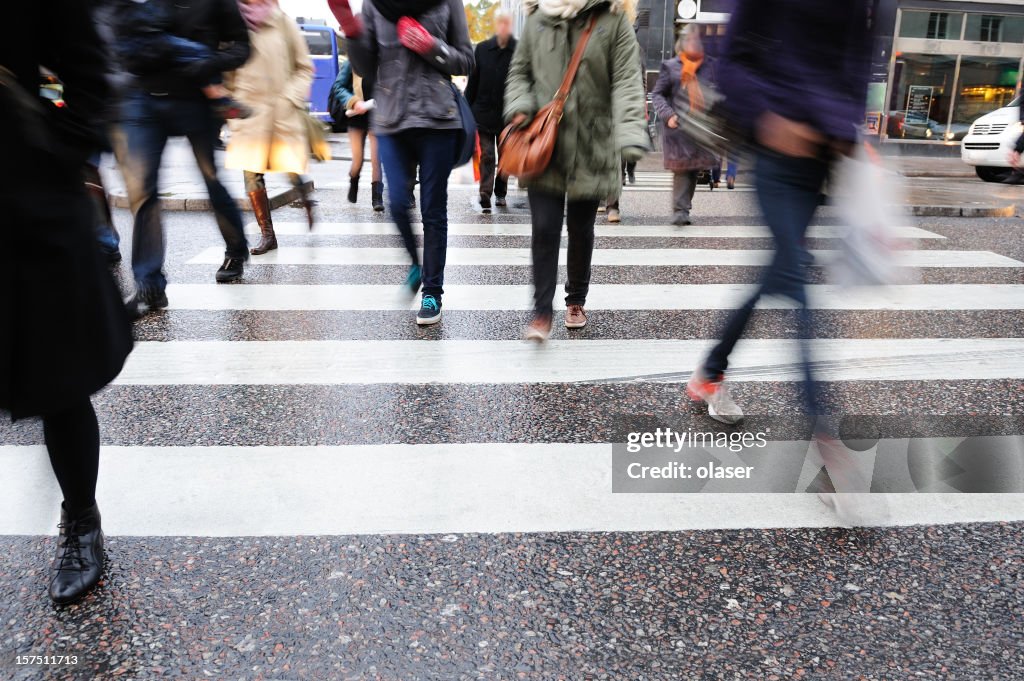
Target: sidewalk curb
(946, 174)
(283, 197)
(929, 211)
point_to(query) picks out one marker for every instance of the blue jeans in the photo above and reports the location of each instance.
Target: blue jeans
(147, 122)
(103, 225)
(434, 152)
(789, 191)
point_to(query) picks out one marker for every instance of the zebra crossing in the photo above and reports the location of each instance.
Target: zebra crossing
(495, 473)
(661, 181)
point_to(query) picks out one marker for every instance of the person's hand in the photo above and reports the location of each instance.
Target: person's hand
(788, 137)
(519, 120)
(632, 154)
(673, 122)
(414, 37)
(360, 107)
(351, 25)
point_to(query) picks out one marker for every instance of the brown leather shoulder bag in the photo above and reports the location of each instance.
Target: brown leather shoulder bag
(526, 152)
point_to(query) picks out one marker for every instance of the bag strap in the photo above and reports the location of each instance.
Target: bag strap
(574, 64)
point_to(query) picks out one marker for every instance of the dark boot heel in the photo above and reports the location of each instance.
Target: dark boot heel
(353, 188)
(377, 196)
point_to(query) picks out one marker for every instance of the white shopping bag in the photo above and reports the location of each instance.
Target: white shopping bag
(868, 200)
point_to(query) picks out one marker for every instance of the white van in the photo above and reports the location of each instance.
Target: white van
(990, 140)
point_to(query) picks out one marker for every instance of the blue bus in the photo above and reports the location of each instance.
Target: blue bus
(325, 50)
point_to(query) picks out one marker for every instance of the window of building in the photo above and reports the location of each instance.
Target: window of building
(994, 28)
(986, 84)
(931, 25)
(920, 98)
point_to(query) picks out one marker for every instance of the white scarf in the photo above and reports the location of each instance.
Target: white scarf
(566, 9)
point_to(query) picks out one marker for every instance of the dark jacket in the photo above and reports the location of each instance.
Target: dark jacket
(806, 60)
(681, 153)
(413, 91)
(343, 91)
(217, 24)
(64, 333)
(485, 90)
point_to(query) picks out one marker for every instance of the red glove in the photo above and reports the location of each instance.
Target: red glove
(351, 25)
(413, 36)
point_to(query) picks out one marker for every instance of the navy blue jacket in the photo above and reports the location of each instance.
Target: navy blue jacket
(806, 60)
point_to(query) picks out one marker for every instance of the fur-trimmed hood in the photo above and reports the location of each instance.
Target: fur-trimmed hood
(626, 7)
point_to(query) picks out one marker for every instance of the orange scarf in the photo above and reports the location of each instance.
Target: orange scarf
(689, 80)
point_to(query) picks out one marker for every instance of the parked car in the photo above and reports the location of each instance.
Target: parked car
(929, 129)
(990, 140)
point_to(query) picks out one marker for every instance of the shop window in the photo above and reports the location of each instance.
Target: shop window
(931, 25)
(920, 98)
(985, 85)
(994, 28)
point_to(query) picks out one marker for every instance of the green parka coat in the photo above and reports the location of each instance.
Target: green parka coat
(605, 109)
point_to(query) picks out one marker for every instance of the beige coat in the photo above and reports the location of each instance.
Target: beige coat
(275, 82)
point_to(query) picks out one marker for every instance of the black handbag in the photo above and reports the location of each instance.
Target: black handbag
(467, 135)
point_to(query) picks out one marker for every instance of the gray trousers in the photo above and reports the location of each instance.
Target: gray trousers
(684, 183)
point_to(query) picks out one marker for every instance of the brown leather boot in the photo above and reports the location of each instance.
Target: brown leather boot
(261, 209)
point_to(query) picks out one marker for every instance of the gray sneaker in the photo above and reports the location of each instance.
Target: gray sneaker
(716, 395)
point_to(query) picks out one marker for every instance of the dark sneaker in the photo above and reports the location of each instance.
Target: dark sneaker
(485, 203)
(730, 182)
(413, 280)
(231, 270)
(430, 310)
(500, 202)
(680, 220)
(141, 304)
(631, 174)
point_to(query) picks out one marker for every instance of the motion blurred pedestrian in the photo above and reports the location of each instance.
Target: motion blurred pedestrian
(680, 89)
(166, 99)
(65, 333)
(1017, 174)
(605, 103)
(274, 83)
(795, 76)
(486, 94)
(414, 48)
(352, 98)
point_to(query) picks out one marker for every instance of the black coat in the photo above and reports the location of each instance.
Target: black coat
(486, 88)
(64, 333)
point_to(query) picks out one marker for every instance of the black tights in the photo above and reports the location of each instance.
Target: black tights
(73, 442)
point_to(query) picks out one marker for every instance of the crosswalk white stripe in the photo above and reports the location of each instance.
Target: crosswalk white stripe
(337, 362)
(385, 489)
(702, 189)
(601, 297)
(617, 257)
(523, 229)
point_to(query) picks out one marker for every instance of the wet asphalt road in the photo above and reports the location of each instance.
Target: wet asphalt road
(931, 601)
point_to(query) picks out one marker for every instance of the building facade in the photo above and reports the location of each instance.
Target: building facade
(950, 62)
(937, 65)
